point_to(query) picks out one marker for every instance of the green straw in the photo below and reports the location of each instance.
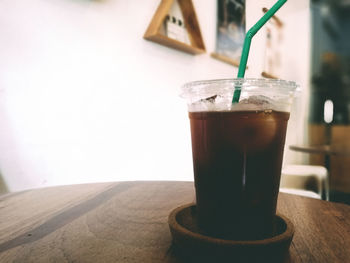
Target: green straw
(247, 41)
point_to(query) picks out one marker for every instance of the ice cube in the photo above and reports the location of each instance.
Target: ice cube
(210, 99)
(211, 103)
(255, 131)
(257, 100)
(254, 103)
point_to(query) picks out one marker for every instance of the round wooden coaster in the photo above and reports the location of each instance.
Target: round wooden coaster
(194, 246)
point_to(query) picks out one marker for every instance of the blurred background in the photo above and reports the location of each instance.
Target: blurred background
(330, 89)
(84, 98)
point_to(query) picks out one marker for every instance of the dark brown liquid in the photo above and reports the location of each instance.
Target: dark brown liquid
(237, 158)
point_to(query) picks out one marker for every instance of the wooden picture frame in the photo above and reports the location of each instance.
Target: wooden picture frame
(268, 75)
(272, 56)
(153, 32)
(230, 31)
(225, 59)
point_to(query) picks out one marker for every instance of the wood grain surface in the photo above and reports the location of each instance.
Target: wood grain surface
(127, 222)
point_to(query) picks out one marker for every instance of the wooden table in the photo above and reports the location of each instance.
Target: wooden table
(127, 222)
(340, 150)
(326, 150)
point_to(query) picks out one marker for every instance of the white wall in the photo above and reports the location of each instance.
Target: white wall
(84, 98)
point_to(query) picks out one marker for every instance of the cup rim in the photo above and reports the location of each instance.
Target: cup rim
(238, 83)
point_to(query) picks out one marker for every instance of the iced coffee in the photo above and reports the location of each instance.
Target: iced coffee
(237, 154)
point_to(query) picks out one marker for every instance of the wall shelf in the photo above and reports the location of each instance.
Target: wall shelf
(153, 32)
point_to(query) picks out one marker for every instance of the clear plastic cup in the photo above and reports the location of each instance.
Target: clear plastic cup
(237, 153)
